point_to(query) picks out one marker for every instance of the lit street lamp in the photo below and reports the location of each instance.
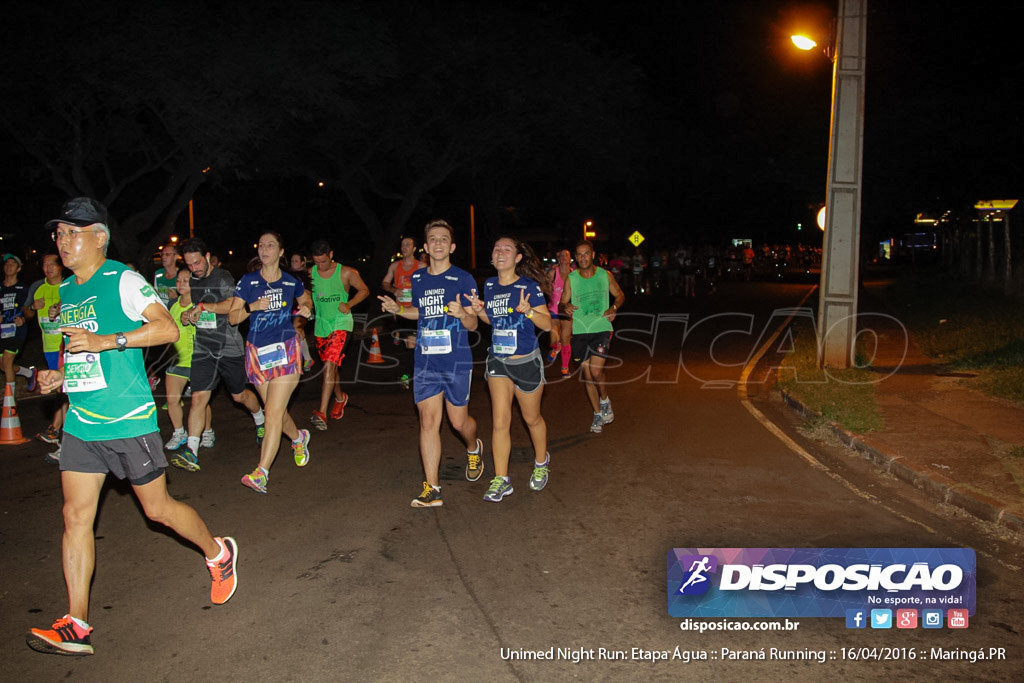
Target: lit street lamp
(840, 254)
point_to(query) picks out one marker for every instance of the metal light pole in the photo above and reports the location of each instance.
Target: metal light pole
(840, 255)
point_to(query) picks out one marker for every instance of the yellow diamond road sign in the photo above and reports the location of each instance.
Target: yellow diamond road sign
(636, 239)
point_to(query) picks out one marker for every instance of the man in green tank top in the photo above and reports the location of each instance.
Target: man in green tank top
(331, 284)
(108, 315)
(586, 298)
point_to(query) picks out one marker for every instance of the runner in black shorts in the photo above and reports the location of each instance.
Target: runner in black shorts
(108, 314)
(218, 354)
(585, 298)
(513, 304)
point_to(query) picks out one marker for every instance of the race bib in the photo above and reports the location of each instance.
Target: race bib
(207, 320)
(272, 356)
(404, 295)
(8, 330)
(49, 326)
(503, 342)
(83, 372)
(436, 342)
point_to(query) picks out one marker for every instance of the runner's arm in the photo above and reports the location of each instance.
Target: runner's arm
(565, 303)
(620, 298)
(389, 305)
(157, 328)
(389, 278)
(356, 282)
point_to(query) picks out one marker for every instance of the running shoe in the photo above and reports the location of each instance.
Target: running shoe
(178, 439)
(53, 458)
(154, 382)
(31, 384)
(598, 424)
(209, 438)
(319, 421)
(540, 476)
(256, 480)
(475, 462)
(565, 372)
(185, 458)
(338, 407)
(49, 435)
(430, 498)
(261, 431)
(223, 573)
(300, 447)
(65, 637)
(498, 489)
(307, 365)
(552, 355)
(607, 416)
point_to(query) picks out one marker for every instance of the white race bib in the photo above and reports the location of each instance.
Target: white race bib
(207, 320)
(436, 342)
(49, 326)
(272, 356)
(83, 372)
(8, 330)
(504, 342)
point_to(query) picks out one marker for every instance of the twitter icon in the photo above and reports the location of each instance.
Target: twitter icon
(881, 618)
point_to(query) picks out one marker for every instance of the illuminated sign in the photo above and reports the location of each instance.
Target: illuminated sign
(996, 205)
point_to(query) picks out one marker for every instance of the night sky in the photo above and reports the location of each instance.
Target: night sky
(736, 121)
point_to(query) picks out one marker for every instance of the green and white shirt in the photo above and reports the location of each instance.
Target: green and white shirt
(109, 392)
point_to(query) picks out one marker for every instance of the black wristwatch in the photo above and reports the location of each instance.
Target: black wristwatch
(121, 341)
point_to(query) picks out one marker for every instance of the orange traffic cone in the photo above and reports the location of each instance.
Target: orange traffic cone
(375, 356)
(10, 424)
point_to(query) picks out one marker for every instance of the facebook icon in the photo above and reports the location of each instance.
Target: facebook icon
(856, 618)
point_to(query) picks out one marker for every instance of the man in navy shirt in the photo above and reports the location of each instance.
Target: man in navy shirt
(443, 361)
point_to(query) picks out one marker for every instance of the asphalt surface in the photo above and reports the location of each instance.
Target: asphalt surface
(339, 579)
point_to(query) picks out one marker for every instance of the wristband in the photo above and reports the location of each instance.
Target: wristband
(529, 313)
(246, 308)
(401, 309)
(201, 306)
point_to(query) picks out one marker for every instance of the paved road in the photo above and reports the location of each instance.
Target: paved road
(341, 580)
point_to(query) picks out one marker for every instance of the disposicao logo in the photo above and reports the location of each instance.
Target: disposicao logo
(818, 582)
(696, 581)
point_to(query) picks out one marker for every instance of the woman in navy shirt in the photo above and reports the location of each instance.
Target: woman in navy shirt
(513, 304)
(267, 297)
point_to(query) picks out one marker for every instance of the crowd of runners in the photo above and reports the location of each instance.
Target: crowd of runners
(96, 323)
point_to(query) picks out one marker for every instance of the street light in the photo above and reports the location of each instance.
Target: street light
(840, 254)
(588, 232)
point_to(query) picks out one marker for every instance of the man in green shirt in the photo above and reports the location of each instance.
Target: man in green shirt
(331, 284)
(108, 315)
(585, 297)
(165, 279)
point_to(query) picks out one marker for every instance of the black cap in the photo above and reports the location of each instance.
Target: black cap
(80, 211)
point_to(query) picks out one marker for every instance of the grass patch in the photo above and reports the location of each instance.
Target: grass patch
(846, 397)
(965, 328)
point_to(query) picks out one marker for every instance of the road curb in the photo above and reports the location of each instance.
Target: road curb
(936, 486)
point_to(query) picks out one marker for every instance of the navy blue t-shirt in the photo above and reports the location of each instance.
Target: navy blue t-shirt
(442, 344)
(274, 324)
(512, 333)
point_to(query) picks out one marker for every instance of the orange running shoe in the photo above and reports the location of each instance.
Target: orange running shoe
(223, 573)
(65, 637)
